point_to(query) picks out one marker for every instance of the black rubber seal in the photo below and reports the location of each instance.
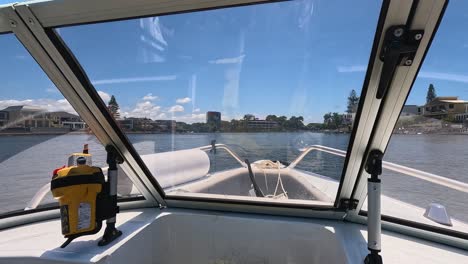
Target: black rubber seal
(373, 56)
(422, 226)
(379, 113)
(96, 178)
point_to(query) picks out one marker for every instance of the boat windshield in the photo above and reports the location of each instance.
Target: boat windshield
(268, 82)
(426, 168)
(39, 130)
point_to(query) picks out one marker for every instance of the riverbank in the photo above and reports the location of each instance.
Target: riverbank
(396, 132)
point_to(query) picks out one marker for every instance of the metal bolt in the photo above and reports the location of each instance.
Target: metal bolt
(31, 21)
(408, 62)
(12, 23)
(375, 243)
(418, 36)
(398, 32)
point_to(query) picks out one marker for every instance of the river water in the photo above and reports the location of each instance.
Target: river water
(26, 162)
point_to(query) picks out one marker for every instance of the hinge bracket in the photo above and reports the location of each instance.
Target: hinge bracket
(348, 204)
(398, 49)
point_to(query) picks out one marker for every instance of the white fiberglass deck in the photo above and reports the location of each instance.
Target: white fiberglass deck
(187, 236)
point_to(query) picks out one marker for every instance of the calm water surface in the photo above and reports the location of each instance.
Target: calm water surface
(26, 162)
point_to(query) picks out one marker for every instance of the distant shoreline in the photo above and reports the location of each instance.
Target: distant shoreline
(49, 133)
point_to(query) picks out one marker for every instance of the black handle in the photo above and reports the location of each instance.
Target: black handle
(257, 190)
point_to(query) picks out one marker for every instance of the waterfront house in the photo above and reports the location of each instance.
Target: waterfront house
(23, 116)
(32, 117)
(262, 124)
(445, 107)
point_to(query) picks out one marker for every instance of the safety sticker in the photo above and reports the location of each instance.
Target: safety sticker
(84, 216)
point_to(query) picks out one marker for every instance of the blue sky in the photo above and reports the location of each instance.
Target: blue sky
(291, 58)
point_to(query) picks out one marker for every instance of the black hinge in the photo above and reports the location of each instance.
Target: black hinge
(398, 49)
(348, 204)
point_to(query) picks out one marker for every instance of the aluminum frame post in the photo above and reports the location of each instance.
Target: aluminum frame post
(374, 229)
(113, 158)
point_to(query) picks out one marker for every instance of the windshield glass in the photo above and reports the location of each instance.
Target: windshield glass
(430, 138)
(39, 130)
(268, 81)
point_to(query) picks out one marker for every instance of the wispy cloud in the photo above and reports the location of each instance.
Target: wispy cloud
(150, 97)
(144, 109)
(48, 105)
(183, 100)
(423, 74)
(192, 118)
(234, 60)
(352, 68)
(104, 96)
(444, 76)
(135, 79)
(176, 108)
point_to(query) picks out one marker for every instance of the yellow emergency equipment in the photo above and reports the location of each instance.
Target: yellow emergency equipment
(77, 189)
(86, 198)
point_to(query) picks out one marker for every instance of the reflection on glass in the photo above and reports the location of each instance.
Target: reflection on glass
(266, 82)
(430, 136)
(39, 129)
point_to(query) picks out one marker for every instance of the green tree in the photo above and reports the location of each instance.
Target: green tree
(431, 93)
(225, 126)
(353, 101)
(200, 128)
(295, 122)
(332, 120)
(314, 126)
(236, 125)
(113, 107)
(327, 118)
(271, 118)
(337, 120)
(282, 121)
(299, 122)
(249, 117)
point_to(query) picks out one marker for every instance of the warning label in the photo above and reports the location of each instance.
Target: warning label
(84, 216)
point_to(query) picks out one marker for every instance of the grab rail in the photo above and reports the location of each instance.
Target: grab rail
(452, 184)
(449, 183)
(42, 192)
(38, 197)
(228, 150)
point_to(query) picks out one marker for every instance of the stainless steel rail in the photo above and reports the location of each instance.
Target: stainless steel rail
(39, 196)
(228, 150)
(449, 183)
(440, 180)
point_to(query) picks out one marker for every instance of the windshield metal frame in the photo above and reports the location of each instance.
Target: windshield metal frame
(26, 10)
(62, 68)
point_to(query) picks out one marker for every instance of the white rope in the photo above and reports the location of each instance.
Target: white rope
(267, 164)
(279, 182)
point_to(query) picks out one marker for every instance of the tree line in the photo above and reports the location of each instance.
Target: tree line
(331, 121)
(283, 123)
